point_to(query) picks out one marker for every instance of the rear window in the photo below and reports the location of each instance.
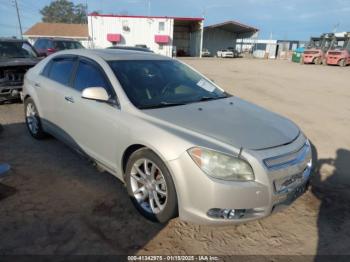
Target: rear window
(62, 45)
(61, 70)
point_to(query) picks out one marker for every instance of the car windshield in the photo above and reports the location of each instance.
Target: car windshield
(163, 83)
(16, 50)
(62, 45)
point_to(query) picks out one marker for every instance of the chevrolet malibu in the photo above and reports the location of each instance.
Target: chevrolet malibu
(182, 145)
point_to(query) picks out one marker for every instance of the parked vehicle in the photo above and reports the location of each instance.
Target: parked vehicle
(142, 46)
(205, 53)
(235, 52)
(4, 168)
(16, 57)
(142, 49)
(225, 53)
(229, 52)
(315, 52)
(48, 46)
(339, 53)
(181, 144)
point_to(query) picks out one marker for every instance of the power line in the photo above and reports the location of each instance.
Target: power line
(19, 19)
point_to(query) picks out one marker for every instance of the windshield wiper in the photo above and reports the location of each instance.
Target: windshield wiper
(208, 98)
(161, 104)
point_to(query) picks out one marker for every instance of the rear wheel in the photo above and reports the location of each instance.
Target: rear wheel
(33, 121)
(150, 186)
(342, 62)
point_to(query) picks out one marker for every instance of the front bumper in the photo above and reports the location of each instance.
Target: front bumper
(199, 194)
(333, 60)
(309, 59)
(10, 92)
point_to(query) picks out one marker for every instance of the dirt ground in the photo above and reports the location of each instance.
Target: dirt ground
(56, 202)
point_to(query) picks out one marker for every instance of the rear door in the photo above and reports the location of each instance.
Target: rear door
(54, 85)
(91, 124)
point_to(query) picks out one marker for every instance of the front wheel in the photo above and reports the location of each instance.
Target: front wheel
(150, 186)
(33, 121)
(342, 63)
(317, 61)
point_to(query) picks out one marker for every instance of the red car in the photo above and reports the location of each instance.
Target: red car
(47, 46)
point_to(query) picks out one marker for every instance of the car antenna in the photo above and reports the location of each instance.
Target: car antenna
(240, 152)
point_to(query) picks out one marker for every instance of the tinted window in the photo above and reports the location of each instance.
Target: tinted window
(163, 83)
(61, 70)
(16, 49)
(89, 75)
(62, 45)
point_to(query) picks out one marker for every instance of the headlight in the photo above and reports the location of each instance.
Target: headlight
(221, 166)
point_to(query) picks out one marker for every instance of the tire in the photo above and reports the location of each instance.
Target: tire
(33, 121)
(342, 63)
(155, 181)
(317, 61)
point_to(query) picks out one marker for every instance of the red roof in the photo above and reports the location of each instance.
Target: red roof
(143, 16)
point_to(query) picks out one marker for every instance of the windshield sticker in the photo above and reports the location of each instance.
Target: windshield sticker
(206, 85)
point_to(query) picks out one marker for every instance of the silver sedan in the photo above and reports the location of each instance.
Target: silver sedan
(182, 145)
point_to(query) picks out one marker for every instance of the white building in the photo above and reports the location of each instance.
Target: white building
(163, 35)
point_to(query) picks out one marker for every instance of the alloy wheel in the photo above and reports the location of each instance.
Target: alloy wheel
(148, 186)
(32, 118)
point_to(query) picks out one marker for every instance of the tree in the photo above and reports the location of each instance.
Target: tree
(64, 11)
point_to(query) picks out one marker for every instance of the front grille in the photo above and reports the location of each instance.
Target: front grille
(288, 159)
(12, 77)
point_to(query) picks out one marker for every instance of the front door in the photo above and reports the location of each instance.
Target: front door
(93, 125)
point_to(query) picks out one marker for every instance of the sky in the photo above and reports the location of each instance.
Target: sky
(276, 19)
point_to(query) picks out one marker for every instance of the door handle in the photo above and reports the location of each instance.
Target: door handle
(69, 99)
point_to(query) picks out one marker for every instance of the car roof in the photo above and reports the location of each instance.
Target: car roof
(4, 39)
(57, 39)
(114, 54)
(135, 48)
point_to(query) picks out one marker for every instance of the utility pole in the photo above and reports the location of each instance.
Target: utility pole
(19, 19)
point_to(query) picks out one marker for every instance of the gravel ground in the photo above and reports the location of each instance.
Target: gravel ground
(56, 202)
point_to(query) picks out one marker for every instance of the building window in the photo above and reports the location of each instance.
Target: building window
(161, 26)
(125, 25)
(161, 46)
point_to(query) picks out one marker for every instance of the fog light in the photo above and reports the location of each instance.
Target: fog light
(226, 213)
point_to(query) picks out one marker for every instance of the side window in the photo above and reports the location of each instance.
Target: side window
(38, 44)
(89, 75)
(61, 70)
(46, 70)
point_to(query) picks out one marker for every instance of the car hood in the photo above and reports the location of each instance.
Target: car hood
(19, 61)
(232, 121)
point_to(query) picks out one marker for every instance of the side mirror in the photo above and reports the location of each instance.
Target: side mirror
(95, 93)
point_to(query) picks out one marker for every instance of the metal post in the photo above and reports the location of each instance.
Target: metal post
(19, 19)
